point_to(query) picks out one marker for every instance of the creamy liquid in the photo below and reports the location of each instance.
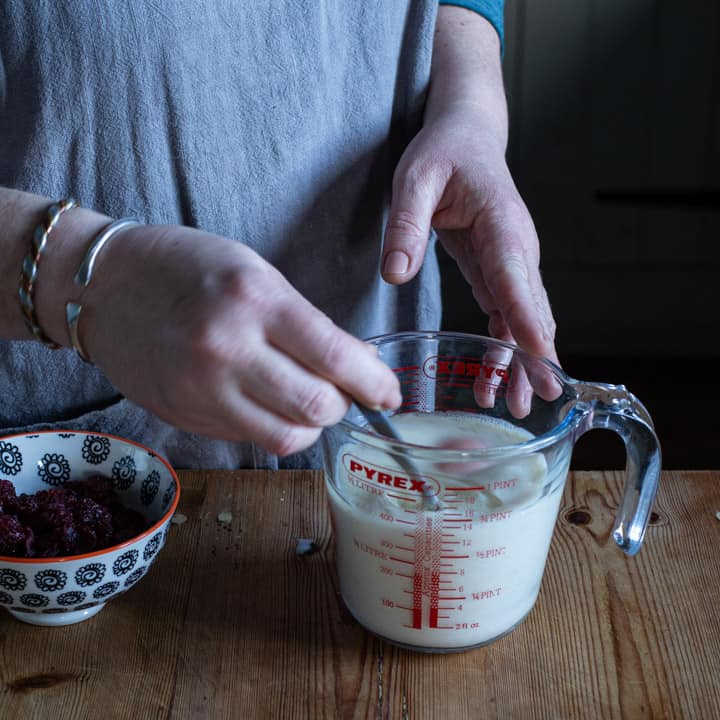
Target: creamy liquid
(448, 579)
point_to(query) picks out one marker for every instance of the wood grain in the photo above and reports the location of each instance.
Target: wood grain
(232, 622)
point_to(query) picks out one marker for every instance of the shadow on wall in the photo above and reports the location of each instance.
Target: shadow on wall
(614, 145)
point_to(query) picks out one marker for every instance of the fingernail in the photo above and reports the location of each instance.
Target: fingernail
(396, 402)
(396, 263)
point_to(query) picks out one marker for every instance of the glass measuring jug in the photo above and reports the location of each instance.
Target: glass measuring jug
(441, 538)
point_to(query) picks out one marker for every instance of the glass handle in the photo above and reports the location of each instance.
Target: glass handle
(612, 407)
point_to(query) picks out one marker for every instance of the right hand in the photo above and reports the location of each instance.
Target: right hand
(208, 336)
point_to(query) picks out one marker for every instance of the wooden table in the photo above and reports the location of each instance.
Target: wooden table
(231, 622)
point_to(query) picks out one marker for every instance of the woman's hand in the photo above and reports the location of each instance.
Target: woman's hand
(205, 334)
(458, 182)
(453, 176)
(196, 328)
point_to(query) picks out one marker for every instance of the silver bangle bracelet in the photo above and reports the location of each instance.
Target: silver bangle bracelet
(84, 274)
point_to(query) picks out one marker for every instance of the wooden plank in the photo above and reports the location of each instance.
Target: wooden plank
(120, 663)
(232, 622)
(260, 627)
(655, 664)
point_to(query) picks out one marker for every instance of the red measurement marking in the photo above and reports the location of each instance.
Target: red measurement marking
(465, 489)
(400, 547)
(445, 627)
(404, 575)
(451, 542)
(459, 597)
(452, 557)
(407, 562)
(485, 386)
(407, 522)
(445, 572)
(417, 601)
(434, 599)
(406, 368)
(435, 577)
(397, 497)
(403, 607)
(458, 520)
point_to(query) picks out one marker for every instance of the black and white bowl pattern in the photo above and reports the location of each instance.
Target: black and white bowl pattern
(61, 591)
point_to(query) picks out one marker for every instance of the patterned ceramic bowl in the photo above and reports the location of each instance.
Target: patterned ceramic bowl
(64, 590)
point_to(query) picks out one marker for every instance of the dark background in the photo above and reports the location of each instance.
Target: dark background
(614, 145)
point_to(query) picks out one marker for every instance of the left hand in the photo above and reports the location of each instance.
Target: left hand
(454, 178)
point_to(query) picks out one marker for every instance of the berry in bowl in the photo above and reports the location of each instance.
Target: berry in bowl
(83, 515)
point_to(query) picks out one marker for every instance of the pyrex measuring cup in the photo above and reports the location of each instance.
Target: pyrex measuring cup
(441, 539)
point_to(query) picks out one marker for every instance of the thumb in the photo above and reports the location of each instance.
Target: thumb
(414, 201)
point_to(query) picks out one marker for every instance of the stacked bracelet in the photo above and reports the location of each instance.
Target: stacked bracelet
(84, 274)
(29, 271)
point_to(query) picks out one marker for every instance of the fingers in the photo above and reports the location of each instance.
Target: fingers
(249, 419)
(532, 375)
(544, 381)
(499, 258)
(519, 393)
(506, 244)
(464, 468)
(487, 386)
(282, 386)
(237, 352)
(416, 195)
(310, 338)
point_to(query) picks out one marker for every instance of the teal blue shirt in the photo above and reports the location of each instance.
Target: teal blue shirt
(491, 10)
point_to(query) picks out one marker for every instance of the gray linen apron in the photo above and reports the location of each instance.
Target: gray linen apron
(275, 122)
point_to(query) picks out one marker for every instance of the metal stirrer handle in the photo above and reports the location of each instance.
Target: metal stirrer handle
(382, 424)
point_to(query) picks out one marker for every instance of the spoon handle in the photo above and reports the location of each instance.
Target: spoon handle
(383, 425)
